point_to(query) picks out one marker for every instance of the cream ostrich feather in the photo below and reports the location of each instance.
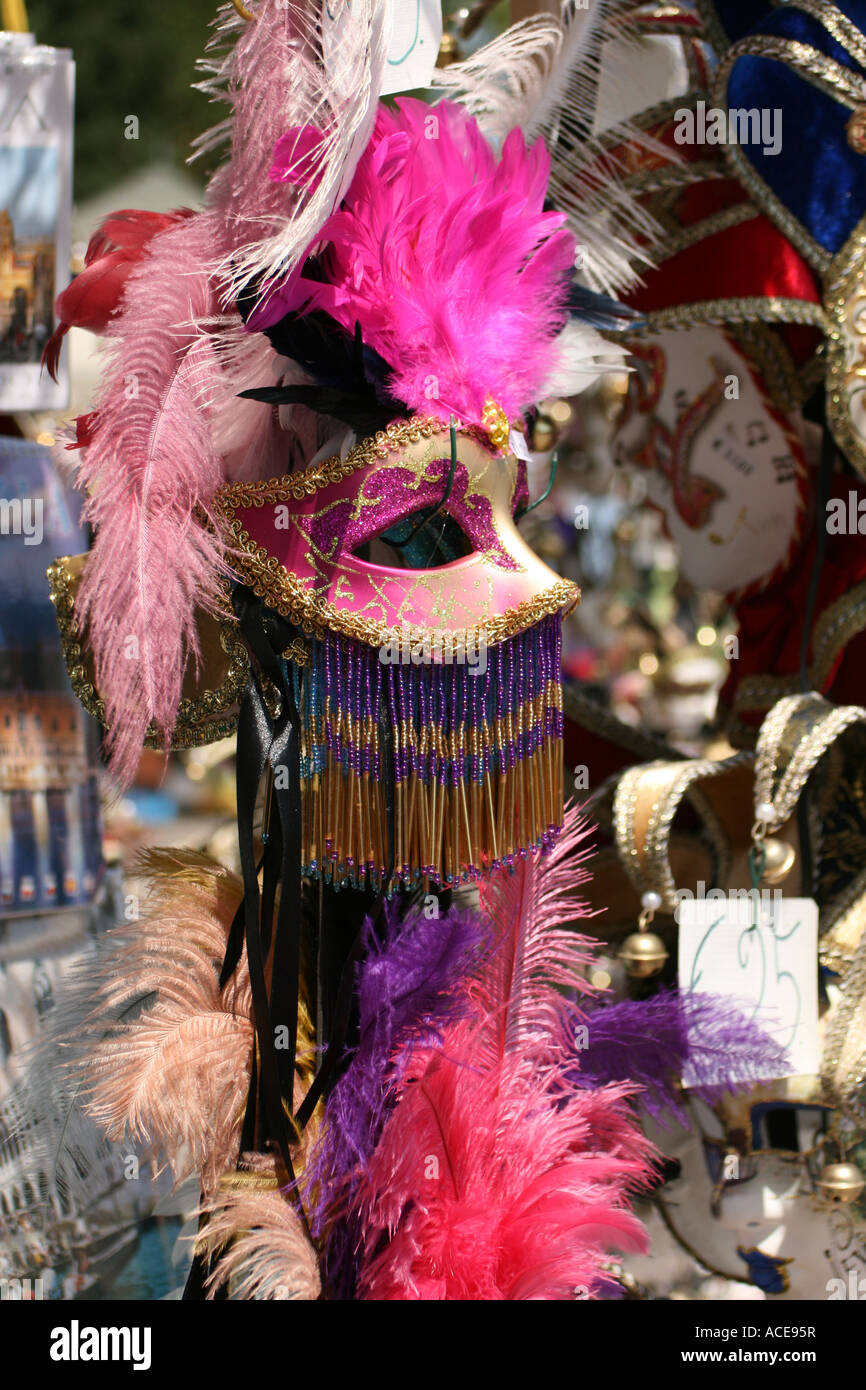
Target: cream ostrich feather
(542, 75)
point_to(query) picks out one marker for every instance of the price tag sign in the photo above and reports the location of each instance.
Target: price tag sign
(762, 955)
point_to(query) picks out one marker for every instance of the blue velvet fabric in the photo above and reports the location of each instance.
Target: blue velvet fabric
(816, 174)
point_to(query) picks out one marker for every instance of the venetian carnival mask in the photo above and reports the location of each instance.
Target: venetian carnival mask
(427, 692)
(758, 1216)
(724, 467)
(449, 675)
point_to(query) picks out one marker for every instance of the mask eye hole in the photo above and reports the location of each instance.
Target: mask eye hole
(440, 542)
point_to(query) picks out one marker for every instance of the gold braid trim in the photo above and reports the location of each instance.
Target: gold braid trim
(296, 486)
(844, 299)
(745, 309)
(822, 72)
(314, 613)
(284, 592)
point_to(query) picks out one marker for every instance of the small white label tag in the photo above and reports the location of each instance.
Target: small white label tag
(519, 447)
(416, 34)
(769, 966)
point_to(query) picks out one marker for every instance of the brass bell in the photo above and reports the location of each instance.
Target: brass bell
(779, 860)
(643, 954)
(842, 1181)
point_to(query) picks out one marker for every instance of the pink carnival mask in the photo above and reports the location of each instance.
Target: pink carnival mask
(458, 664)
(297, 536)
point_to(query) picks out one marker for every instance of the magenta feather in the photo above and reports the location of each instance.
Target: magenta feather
(495, 1176)
(447, 259)
(540, 953)
(490, 1183)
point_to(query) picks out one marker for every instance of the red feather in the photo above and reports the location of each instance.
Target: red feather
(112, 253)
(84, 430)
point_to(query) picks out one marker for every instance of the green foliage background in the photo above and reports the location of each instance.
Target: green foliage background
(133, 59)
(137, 58)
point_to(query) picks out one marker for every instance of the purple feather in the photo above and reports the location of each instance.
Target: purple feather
(406, 986)
(650, 1042)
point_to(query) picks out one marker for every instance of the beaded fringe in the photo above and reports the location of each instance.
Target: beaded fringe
(474, 757)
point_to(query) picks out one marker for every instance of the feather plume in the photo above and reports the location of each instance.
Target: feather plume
(495, 1177)
(296, 66)
(46, 1130)
(168, 1057)
(583, 357)
(539, 953)
(488, 1185)
(554, 93)
(150, 464)
(249, 441)
(409, 258)
(650, 1042)
(94, 295)
(263, 1250)
(407, 992)
(154, 459)
(503, 79)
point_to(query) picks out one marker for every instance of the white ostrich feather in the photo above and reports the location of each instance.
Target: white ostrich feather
(543, 76)
(279, 72)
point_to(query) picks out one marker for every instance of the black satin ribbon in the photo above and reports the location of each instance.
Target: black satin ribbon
(342, 1018)
(265, 742)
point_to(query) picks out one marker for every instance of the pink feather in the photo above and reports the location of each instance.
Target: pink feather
(495, 1178)
(172, 1074)
(448, 261)
(276, 78)
(168, 428)
(150, 464)
(489, 1187)
(536, 907)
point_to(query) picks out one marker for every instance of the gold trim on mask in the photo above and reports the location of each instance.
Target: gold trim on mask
(296, 486)
(737, 309)
(315, 614)
(845, 298)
